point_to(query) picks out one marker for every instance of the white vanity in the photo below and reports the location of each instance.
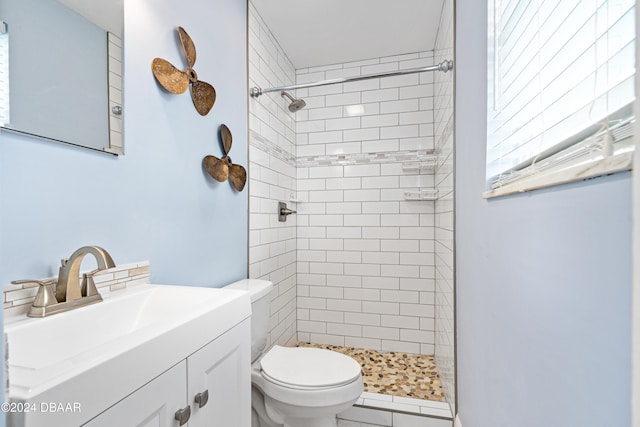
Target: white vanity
(150, 355)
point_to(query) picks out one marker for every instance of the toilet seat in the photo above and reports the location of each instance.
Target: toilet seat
(303, 368)
(295, 383)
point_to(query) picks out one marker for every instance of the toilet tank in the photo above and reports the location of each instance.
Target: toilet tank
(260, 294)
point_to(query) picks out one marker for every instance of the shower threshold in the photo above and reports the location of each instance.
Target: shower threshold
(399, 388)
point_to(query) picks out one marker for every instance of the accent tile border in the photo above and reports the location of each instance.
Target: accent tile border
(274, 150)
(366, 158)
(271, 148)
(18, 298)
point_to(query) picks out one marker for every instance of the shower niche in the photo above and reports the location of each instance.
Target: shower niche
(363, 142)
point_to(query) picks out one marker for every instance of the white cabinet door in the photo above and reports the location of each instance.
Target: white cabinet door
(153, 405)
(222, 369)
(219, 374)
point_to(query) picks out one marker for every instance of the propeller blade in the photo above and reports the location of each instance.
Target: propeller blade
(169, 77)
(188, 47)
(203, 96)
(237, 176)
(227, 139)
(217, 168)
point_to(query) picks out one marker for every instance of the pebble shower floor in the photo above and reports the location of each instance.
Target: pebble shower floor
(394, 373)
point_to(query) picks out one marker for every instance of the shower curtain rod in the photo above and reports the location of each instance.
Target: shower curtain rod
(444, 66)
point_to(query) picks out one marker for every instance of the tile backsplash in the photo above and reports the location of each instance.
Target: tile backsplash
(18, 298)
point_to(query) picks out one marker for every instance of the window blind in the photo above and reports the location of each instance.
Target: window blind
(559, 72)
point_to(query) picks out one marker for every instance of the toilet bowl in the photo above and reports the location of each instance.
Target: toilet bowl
(295, 386)
(306, 386)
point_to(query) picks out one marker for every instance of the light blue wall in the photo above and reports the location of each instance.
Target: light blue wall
(543, 281)
(156, 202)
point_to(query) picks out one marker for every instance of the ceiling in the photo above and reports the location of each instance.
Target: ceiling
(324, 32)
(107, 14)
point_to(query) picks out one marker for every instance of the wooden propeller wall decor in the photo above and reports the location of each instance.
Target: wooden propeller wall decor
(176, 81)
(221, 169)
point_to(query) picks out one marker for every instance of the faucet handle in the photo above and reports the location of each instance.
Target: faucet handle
(45, 296)
(39, 282)
(88, 285)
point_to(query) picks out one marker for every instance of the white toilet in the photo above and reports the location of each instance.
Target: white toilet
(295, 386)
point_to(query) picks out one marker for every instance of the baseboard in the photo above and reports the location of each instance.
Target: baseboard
(456, 421)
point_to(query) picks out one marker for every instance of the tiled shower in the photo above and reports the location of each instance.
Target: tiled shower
(365, 253)
(368, 259)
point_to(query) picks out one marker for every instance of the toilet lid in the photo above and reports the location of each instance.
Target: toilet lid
(309, 367)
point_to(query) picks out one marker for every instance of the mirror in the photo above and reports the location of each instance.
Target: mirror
(61, 71)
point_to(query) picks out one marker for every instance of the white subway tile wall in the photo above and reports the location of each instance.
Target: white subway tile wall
(272, 178)
(366, 263)
(114, 48)
(373, 409)
(444, 209)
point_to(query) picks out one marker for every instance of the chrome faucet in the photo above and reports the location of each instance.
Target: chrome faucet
(69, 293)
(68, 286)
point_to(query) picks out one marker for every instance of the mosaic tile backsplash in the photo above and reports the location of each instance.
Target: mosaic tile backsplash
(18, 298)
(394, 373)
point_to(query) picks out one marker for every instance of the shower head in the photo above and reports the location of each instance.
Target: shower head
(296, 104)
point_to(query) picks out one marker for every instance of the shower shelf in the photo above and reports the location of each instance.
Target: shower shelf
(292, 199)
(422, 194)
(423, 163)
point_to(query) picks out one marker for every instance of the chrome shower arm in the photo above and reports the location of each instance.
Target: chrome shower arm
(291, 98)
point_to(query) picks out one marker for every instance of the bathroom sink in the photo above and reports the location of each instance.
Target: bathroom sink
(95, 355)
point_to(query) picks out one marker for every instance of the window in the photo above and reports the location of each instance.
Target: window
(560, 92)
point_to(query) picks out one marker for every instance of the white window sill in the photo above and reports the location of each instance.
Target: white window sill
(565, 174)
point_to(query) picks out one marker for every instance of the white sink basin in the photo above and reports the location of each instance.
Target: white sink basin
(96, 355)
